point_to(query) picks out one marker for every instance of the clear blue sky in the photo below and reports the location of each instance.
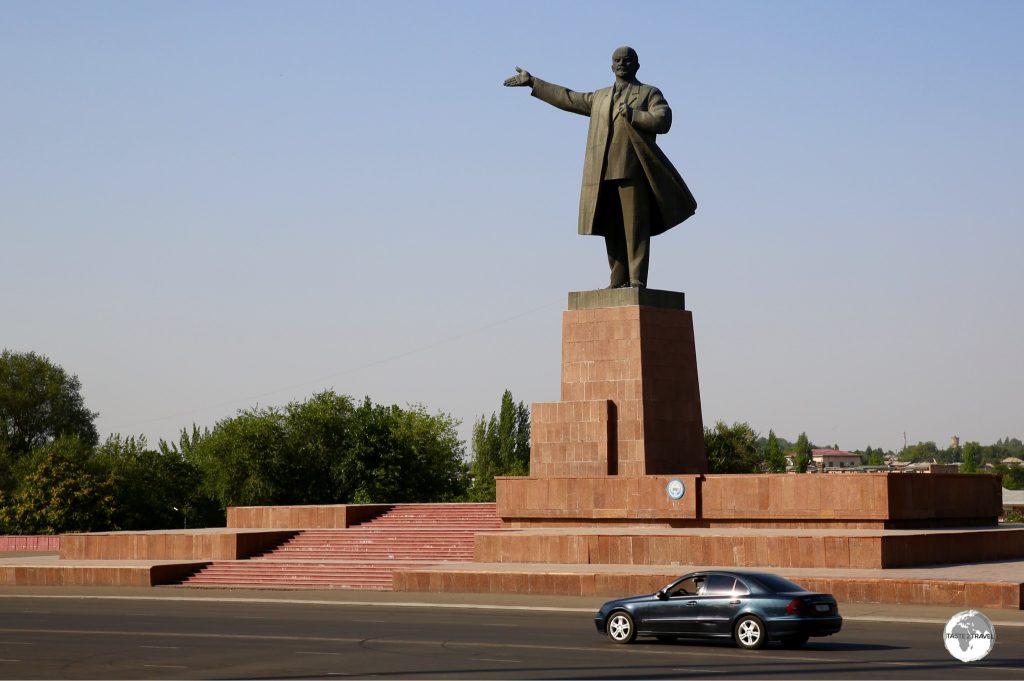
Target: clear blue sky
(205, 206)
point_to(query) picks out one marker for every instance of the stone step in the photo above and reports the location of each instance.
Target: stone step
(427, 533)
(390, 554)
(292, 575)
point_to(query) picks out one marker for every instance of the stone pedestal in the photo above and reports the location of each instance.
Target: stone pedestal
(628, 433)
(630, 400)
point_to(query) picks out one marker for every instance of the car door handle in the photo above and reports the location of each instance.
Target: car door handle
(734, 602)
(691, 603)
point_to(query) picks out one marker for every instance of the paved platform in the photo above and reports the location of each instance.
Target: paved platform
(500, 601)
(993, 585)
(996, 584)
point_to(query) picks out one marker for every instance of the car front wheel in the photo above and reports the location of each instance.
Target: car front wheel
(620, 627)
(749, 633)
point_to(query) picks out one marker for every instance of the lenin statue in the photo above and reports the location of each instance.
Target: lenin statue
(631, 191)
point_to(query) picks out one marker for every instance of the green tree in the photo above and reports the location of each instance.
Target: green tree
(774, 459)
(922, 451)
(154, 490)
(59, 494)
(406, 455)
(732, 449)
(971, 453)
(328, 450)
(802, 458)
(243, 460)
(873, 457)
(501, 446)
(1013, 477)
(198, 507)
(40, 402)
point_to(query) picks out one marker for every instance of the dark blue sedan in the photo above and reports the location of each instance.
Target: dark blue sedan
(752, 608)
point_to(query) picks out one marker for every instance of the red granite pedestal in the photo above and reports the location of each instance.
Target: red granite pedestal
(629, 424)
(630, 401)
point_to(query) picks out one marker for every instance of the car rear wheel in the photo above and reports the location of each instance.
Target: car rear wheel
(620, 627)
(749, 633)
(794, 641)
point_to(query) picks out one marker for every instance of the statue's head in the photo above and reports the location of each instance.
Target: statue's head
(625, 63)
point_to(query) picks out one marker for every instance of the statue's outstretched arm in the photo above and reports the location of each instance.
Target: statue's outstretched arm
(555, 95)
(521, 78)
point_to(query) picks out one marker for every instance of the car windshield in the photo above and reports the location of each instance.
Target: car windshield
(686, 587)
(777, 584)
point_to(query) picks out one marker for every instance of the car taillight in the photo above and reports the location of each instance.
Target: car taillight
(795, 607)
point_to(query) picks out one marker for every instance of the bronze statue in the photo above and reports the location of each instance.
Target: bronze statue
(631, 191)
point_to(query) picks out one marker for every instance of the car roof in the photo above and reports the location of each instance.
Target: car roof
(736, 573)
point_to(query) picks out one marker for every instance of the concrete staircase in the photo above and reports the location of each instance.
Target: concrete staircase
(362, 556)
(473, 517)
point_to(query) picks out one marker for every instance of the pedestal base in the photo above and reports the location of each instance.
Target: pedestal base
(630, 400)
(794, 501)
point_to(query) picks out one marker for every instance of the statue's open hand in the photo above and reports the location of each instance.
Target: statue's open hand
(521, 78)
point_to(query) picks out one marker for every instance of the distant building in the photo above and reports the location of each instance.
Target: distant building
(954, 442)
(933, 467)
(828, 460)
(1013, 500)
(1012, 461)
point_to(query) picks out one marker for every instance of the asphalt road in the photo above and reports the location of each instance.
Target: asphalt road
(74, 638)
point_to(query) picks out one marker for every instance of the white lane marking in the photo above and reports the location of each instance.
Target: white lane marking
(313, 652)
(496, 659)
(249, 617)
(448, 606)
(162, 647)
(623, 650)
(15, 643)
(694, 670)
(1, 660)
(37, 612)
(373, 621)
(489, 624)
(165, 666)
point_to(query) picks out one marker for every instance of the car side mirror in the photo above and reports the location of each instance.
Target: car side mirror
(662, 596)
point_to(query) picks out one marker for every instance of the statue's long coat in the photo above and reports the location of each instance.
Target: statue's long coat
(651, 116)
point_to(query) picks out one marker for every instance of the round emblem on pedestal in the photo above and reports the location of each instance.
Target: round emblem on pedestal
(676, 489)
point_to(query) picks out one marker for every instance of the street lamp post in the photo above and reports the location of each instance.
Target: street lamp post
(183, 515)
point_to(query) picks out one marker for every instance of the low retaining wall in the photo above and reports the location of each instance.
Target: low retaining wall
(39, 542)
(771, 549)
(329, 517)
(960, 594)
(189, 545)
(95, 575)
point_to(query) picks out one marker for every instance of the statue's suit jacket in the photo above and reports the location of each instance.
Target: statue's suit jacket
(651, 116)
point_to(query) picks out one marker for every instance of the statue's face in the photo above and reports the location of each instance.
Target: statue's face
(625, 63)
